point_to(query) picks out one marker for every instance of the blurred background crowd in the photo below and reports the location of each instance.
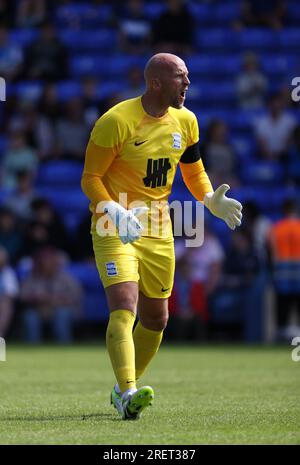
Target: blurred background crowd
(65, 63)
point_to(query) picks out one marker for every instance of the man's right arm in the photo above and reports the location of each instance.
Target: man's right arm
(97, 161)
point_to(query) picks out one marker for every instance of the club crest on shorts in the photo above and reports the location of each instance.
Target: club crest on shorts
(111, 269)
(176, 140)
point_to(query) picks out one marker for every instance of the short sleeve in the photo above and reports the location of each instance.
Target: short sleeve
(109, 131)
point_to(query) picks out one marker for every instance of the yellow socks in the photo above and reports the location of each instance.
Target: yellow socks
(120, 347)
(146, 343)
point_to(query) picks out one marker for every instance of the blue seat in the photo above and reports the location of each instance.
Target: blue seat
(81, 65)
(91, 40)
(289, 39)
(294, 168)
(23, 37)
(94, 301)
(293, 11)
(214, 65)
(82, 15)
(29, 90)
(62, 173)
(65, 200)
(3, 144)
(109, 88)
(265, 172)
(95, 306)
(280, 64)
(268, 198)
(216, 38)
(220, 92)
(245, 147)
(226, 12)
(200, 12)
(259, 39)
(67, 90)
(153, 10)
(86, 273)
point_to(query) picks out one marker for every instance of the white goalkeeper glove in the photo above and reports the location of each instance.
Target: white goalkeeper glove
(227, 209)
(128, 226)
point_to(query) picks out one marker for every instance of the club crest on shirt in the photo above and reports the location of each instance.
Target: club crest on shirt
(176, 140)
(111, 269)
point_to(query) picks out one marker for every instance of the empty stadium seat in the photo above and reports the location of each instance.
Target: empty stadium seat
(216, 39)
(68, 89)
(220, 64)
(23, 37)
(115, 65)
(82, 15)
(153, 10)
(289, 39)
(65, 200)
(89, 40)
(265, 172)
(61, 173)
(94, 302)
(257, 39)
(28, 90)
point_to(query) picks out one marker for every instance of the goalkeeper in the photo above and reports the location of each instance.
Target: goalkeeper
(134, 149)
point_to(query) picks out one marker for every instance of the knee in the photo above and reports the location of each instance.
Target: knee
(158, 323)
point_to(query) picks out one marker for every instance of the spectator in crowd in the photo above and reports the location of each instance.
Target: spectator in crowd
(19, 156)
(7, 13)
(31, 13)
(72, 132)
(218, 155)
(173, 31)
(9, 289)
(11, 236)
(241, 264)
(37, 128)
(204, 263)
(21, 198)
(134, 27)
(269, 13)
(83, 249)
(49, 105)
(187, 305)
(236, 305)
(135, 84)
(93, 104)
(11, 56)
(257, 228)
(46, 57)
(284, 241)
(49, 110)
(285, 93)
(251, 84)
(50, 296)
(46, 228)
(274, 130)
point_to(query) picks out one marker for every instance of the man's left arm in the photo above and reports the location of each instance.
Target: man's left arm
(198, 183)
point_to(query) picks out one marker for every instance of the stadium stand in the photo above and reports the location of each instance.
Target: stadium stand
(88, 32)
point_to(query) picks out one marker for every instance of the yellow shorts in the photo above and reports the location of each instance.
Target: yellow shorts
(149, 261)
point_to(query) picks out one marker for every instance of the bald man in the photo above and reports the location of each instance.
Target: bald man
(132, 154)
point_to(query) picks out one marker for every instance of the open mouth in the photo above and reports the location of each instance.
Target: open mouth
(182, 94)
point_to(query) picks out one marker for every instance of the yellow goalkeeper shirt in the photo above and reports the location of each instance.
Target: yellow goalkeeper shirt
(134, 153)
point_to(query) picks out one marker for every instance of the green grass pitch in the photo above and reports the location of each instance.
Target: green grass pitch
(204, 395)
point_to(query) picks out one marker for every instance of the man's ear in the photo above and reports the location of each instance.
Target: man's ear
(156, 84)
